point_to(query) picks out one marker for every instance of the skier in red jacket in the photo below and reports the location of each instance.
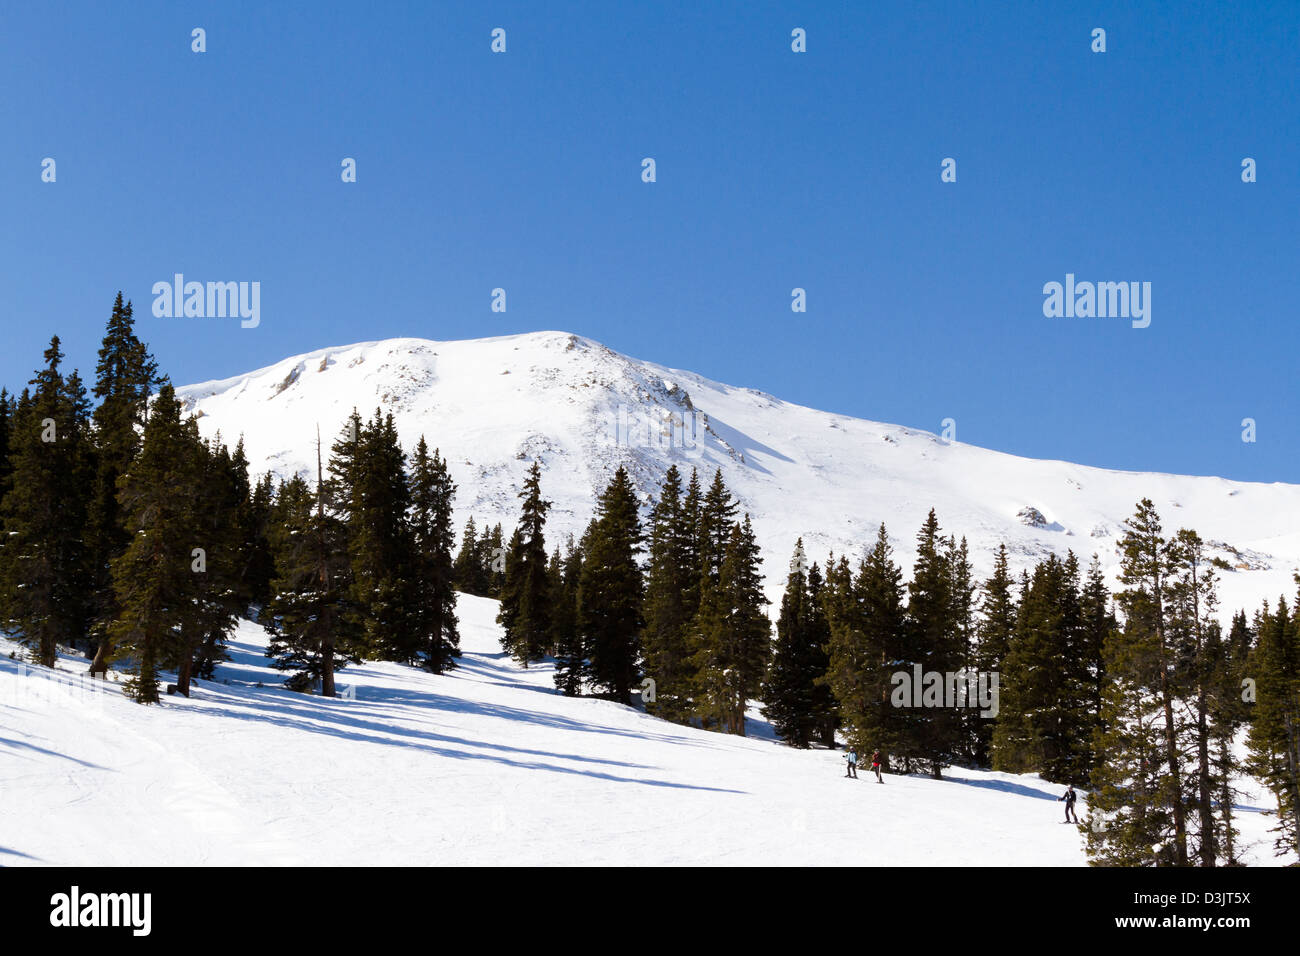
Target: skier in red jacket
(875, 765)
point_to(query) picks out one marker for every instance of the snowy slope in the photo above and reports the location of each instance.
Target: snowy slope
(495, 405)
(484, 765)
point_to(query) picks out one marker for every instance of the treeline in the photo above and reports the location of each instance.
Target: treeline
(673, 609)
(1138, 696)
(125, 535)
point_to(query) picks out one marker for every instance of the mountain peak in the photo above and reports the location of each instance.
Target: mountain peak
(495, 405)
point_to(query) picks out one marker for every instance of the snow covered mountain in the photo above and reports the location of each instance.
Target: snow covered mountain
(495, 405)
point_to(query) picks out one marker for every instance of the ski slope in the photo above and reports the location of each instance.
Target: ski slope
(495, 405)
(486, 765)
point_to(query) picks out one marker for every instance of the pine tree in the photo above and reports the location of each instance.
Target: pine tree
(868, 639)
(732, 635)
(6, 440)
(1192, 604)
(368, 490)
(1096, 622)
(471, 577)
(126, 375)
(994, 635)
(962, 593)
(526, 606)
(157, 590)
(566, 636)
(716, 518)
(1138, 801)
(1043, 722)
(796, 697)
(610, 591)
(44, 575)
(934, 734)
(433, 592)
(492, 550)
(509, 595)
(1274, 738)
(220, 558)
(260, 570)
(493, 559)
(1229, 663)
(313, 619)
(672, 586)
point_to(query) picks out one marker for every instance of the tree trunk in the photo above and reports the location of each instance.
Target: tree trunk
(183, 673)
(1225, 800)
(327, 667)
(1171, 735)
(100, 664)
(1205, 795)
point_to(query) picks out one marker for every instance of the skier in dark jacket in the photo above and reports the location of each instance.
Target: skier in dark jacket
(851, 759)
(875, 765)
(1069, 797)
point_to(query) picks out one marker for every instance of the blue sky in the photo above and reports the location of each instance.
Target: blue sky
(775, 170)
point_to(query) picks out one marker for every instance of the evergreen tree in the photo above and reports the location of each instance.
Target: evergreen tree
(368, 490)
(610, 591)
(868, 641)
(526, 607)
(796, 697)
(1041, 719)
(671, 601)
(1274, 739)
(732, 635)
(1088, 673)
(261, 561)
(1192, 630)
(433, 592)
(933, 734)
(1138, 799)
(510, 591)
(471, 576)
(156, 587)
(6, 432)
(1229, 663)
(716, 518)
(43, 570)
(962, 591)
(219, 559)
(313, 619)
(126, 375)
(566, 636)
(492, 550)
(994, 635)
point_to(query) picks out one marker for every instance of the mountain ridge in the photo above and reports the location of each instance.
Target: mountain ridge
(493, 405)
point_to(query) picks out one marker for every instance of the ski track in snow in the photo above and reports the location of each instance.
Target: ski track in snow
(486, 765)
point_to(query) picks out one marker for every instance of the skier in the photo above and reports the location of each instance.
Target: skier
(875, 765)
(851, 759)
(1068, 797)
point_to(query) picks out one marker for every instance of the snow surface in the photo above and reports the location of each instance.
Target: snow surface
(486, 765)
(495, 405)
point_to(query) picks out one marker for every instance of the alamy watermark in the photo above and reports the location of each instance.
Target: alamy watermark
(212, 300)
(653, 427)
(40, 686)
(963, 688)
(1102, 300)
(77, 909)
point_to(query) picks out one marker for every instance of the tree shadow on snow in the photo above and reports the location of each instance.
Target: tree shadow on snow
(17, 744)
(4, 850)
(336, 718)
(1006, 786)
